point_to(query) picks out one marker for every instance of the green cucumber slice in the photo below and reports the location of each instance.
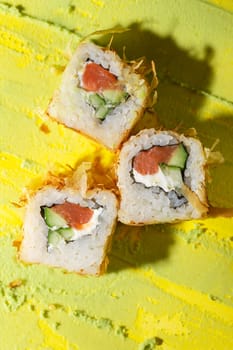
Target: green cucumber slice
(53, 219)
(179, 157)
(102, 111)
(173, 176)
(53, 238)
(96, 101)
(114, 97)
(66, 233)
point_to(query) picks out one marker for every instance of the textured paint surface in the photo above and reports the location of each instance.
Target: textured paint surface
(168, 286)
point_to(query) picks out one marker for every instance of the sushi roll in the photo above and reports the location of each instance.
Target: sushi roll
(161, 178)
(100, 95)
(63, 228)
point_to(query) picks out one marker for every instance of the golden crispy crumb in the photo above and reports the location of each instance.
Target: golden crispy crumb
(44, 128)
(17, 244)
(15, 283)
(17, 205)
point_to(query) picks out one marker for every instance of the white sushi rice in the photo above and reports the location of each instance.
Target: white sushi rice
(85, 255)
(141, 205)
(69, 104)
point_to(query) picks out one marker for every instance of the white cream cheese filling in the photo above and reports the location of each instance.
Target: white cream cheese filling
(168, 178)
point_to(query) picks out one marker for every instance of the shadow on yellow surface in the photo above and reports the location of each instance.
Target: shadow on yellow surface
(184, 98)
(184, 101)
(171, 60)
(137, 246)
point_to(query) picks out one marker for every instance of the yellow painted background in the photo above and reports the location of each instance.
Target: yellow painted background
(170, 285)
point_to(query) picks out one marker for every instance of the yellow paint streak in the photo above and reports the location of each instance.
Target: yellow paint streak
(7, 181)
(15, 172)
(187, 226)
(98, 3)
(8, 161)
(10, 217)
(19, 35)
(10, 21)
(147, 325)
(11, 41)
(152, 300)
(84, 14)
(54, 340)
(191, 297)
(224, 4)
(221, 226)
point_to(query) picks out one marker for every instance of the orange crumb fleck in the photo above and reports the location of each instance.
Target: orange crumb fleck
(16, 244)
(44, 128)
(17, 205)
(16, 283)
